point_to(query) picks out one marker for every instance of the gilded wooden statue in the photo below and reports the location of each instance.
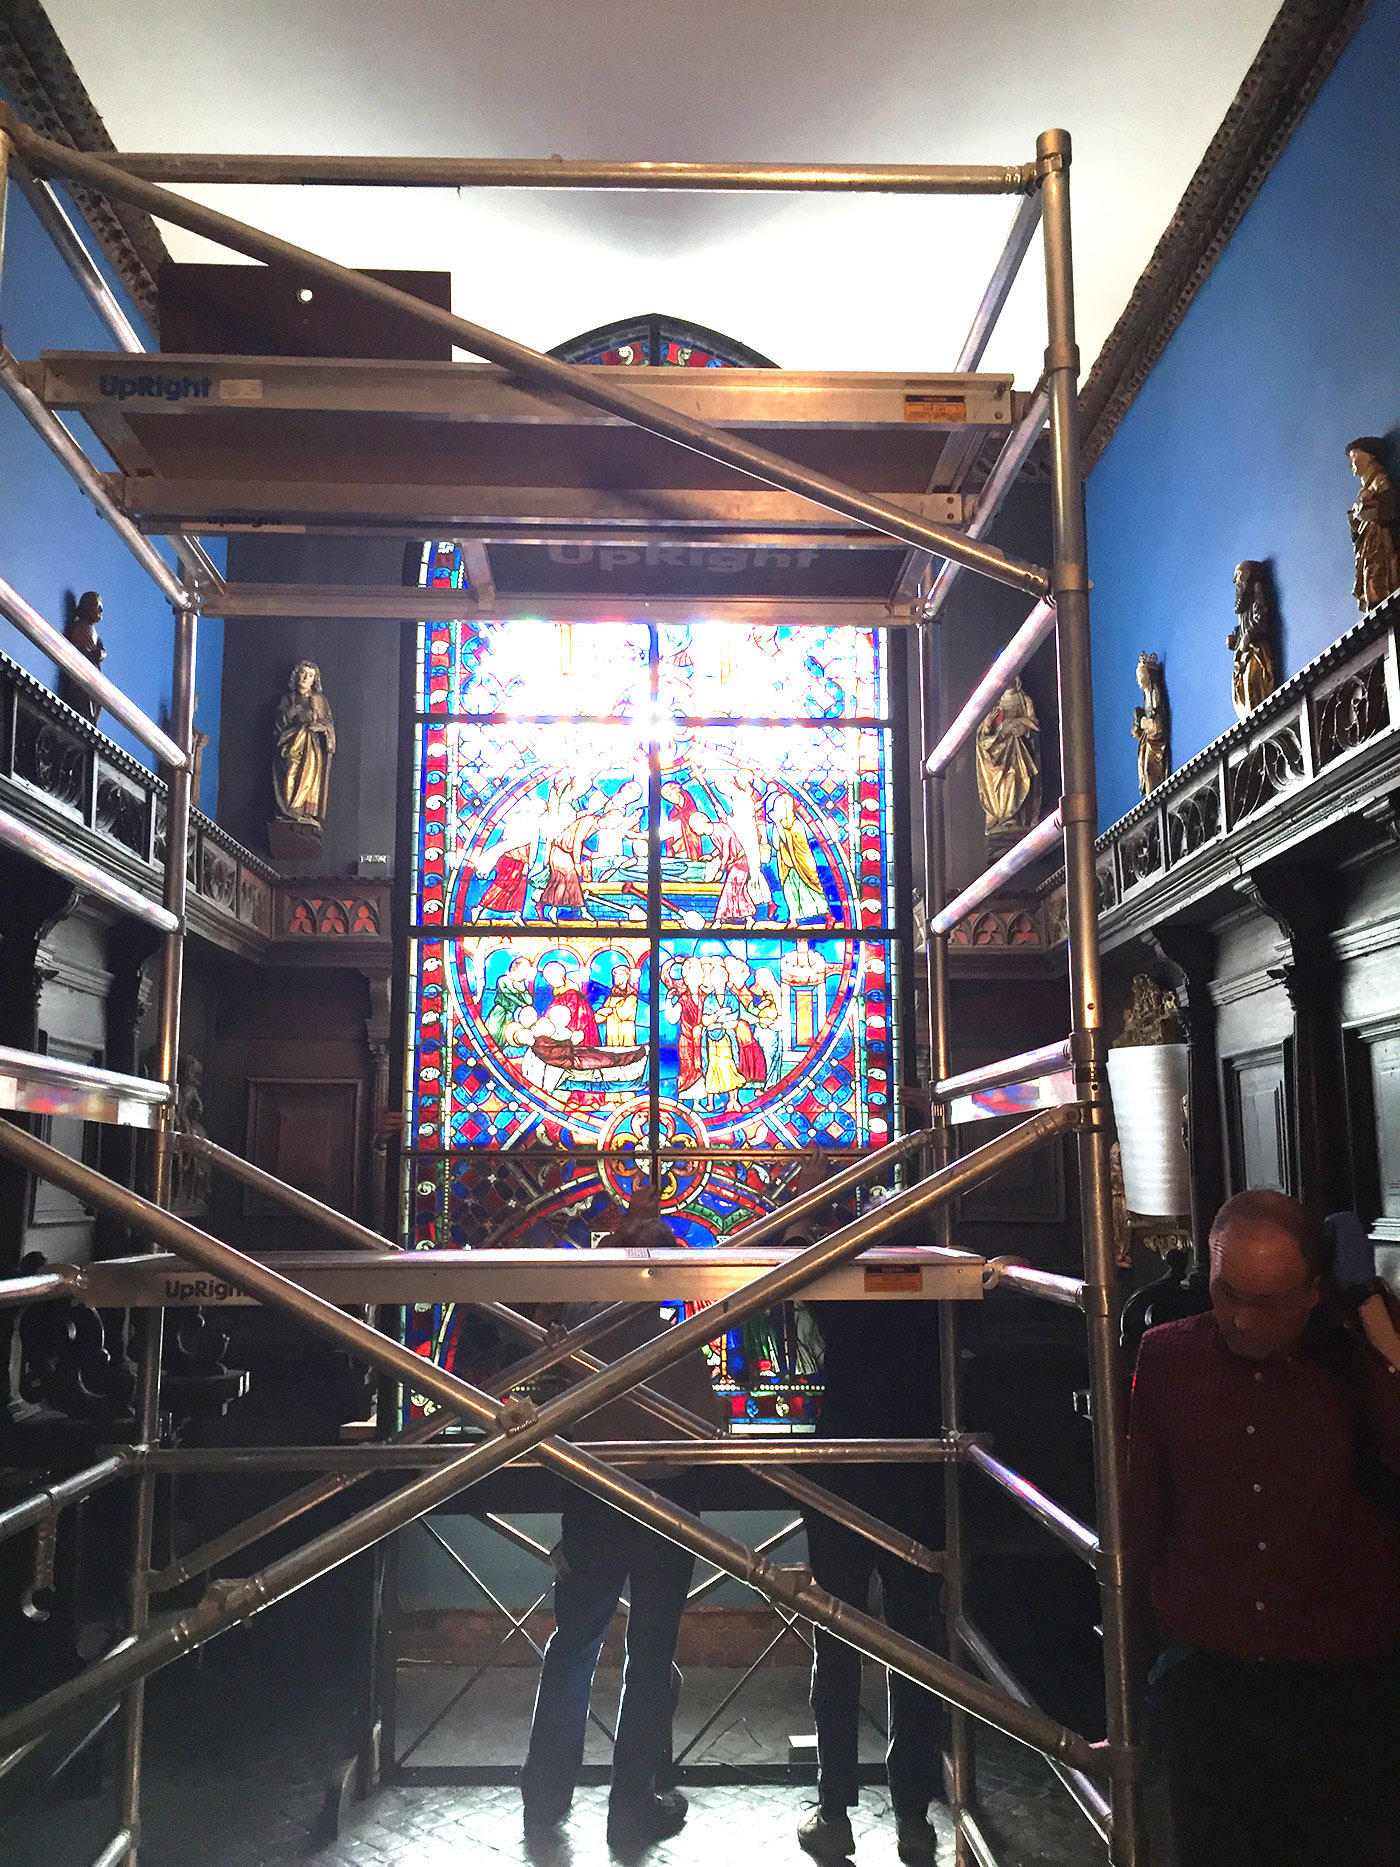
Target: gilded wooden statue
(81, 631)
(1008, 765)
(1373, 524)
(1252, 639)
(305, 733)
(1150, 725)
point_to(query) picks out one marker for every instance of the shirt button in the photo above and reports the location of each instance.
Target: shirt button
(1259, 1607)
(1249, 1429)
(1263, 1546)
(1258, 1374)
(1258, 1487)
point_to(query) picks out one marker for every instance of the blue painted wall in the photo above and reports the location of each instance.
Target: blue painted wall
(53, 545)
(1234, 447)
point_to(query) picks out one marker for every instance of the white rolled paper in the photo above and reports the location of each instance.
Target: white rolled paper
(1148, 1082)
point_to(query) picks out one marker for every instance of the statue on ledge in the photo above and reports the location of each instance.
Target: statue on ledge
(81, 631)
(305, 738)
(1008, 767)
(1152, 1015)
(1150, 725)
(1373, 522)
(1251, 640)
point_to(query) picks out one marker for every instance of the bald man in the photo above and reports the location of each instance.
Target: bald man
(1263, 1442)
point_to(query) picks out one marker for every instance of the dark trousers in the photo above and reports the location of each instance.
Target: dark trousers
(1281, 1765)
(845, 1564)
(600, 1553)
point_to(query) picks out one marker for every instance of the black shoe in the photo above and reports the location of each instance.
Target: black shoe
(826, 1835)
(635, 1824)
(916, 1841)
(542, 1819)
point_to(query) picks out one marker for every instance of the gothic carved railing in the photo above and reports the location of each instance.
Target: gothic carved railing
(1323, 746)
(60, 772)
(68, 778)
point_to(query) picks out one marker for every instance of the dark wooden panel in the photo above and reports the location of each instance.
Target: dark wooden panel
(307, 1133)
(261, 311)
(1257, 1099)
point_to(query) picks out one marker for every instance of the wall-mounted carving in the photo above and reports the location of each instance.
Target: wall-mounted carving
(301, 775)
(1373, 521)
(122, 810)
(218, 880)
(1150, 726)
(1193, 820)
(81, 631)
(1269, 768)
(1008, 768)
(1353, 711)
(332, 910)
(1251, 641)
(52, 760)
(1140, 854)
(998, 927)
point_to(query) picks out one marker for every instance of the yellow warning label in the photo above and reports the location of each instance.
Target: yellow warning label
(885, 1278)
(935, 408)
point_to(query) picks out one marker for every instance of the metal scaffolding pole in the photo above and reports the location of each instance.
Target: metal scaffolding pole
(151, 1324)
(515, 1430)
(1079, 813)
(557, 172)
(958, 1761)
(579, 381)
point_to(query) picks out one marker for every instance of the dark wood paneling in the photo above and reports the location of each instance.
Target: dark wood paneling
(1256, 1098)
(308, 1134)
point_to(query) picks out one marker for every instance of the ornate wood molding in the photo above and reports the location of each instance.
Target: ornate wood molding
(49, 95)
(1299, 51)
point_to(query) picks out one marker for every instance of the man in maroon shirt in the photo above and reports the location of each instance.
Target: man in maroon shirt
(1263, 1437)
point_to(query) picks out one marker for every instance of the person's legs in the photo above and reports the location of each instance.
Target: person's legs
(1213, 1750)
(917, 1723)
(658, 1577)
(592, 1568)
(842, 1563)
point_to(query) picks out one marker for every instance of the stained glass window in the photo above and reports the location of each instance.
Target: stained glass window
(653, 933)
(657, 339)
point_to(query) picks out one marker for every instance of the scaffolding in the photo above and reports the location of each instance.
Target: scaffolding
(1064, 1082)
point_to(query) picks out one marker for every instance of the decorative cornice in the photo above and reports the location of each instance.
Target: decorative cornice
(1299, 51)
(48, 93)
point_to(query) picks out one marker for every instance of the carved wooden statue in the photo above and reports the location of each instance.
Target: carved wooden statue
(1252, 639)
(81, 631)
(305, 746)
(1150, 725)
(1008, 765)
(1152, 1016)
(1373, 524)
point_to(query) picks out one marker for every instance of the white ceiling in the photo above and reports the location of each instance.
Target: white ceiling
(816, 282)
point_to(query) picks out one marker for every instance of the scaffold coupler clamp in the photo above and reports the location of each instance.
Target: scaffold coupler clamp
(36, 1603)
(517, 1415)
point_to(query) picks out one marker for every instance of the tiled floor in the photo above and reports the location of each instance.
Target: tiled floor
(244, 1740)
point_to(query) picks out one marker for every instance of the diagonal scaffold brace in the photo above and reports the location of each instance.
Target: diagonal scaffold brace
(515, 1429)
